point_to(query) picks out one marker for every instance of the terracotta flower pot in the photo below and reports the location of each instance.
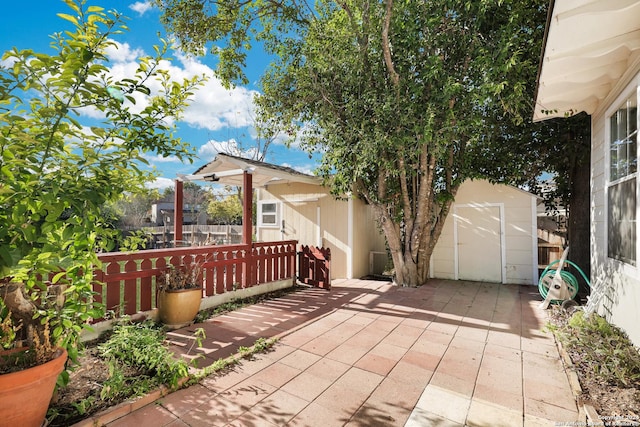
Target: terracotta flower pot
(179, 308)
(25, 395)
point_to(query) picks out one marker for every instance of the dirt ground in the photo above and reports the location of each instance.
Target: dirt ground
(616, 405)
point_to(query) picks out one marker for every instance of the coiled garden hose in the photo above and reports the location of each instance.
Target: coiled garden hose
(546, 278)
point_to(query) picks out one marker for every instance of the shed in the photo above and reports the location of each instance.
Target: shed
(296, 206)
(310, 214)
(489, 235)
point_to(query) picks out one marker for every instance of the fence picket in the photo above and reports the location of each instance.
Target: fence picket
(222, 271)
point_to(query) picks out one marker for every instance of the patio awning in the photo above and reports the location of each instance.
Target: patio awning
(588, 47)
(227, 169)
(237, 171)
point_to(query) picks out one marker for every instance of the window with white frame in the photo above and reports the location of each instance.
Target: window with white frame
(623, 171)
(268, 214)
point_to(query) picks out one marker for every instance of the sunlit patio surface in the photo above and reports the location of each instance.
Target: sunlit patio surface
(368, 353)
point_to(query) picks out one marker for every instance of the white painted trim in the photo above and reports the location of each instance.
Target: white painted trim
(278, 213)
(503, 243)
(534, 240)
(455, 242)
(303, 200)
(627, 269)
(503, 249)
(318, 228)
(350, 226)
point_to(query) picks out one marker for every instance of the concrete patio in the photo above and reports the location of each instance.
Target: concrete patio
(368, 353)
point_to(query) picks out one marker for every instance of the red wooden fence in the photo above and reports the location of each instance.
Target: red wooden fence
(314, 266)
(126, 283)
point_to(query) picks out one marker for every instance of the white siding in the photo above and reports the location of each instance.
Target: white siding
(300, 204)
(618, 283)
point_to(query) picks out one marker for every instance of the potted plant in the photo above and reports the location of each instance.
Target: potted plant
(179, 294)
(29, 374)
(57, 178)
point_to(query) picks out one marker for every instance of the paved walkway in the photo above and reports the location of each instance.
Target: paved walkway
(371, 354)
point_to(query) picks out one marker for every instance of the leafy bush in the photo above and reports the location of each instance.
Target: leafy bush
(57, 172)
(142, 346)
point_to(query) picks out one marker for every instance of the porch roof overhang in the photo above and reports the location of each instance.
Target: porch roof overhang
(229, 170)
(589, 45)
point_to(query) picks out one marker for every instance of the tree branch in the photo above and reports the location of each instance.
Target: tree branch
(386, 49)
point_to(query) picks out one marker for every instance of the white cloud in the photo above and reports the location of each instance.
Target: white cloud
(161, 183)
(161, 159)
(7, 63)
(141, 7)
(213, 106)
(122, 52)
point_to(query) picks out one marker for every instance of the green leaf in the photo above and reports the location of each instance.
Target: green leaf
(69, 18)
(56, 278)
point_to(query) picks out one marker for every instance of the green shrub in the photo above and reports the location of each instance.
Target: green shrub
(141, 345)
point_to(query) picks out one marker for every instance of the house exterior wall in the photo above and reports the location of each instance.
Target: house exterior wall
(615, 286)
(518, 237)
(314, 217)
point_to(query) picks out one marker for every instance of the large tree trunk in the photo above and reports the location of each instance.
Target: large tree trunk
(579, 221)
(411, 268)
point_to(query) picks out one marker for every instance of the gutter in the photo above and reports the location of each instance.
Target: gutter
(544, 48)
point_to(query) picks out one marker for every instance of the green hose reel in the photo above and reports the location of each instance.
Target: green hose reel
(547, 276)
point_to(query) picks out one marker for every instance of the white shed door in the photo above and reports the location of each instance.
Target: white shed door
(479, 243)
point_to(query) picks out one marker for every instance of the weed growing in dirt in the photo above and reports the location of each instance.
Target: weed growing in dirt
(605, 360)
(141, 345)
(611, 356)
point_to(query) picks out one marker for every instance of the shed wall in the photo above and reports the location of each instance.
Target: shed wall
(314, 217)
(367, 237)
(519, 240)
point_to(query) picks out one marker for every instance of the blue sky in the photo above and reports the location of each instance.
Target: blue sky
(216, 119)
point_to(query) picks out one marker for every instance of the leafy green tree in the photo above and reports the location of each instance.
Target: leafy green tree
(57, 173)
(396, 94)
(225, 210)
(133, 209)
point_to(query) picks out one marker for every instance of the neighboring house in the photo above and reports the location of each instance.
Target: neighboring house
(489, 235)
(162, 213)
(591, 63)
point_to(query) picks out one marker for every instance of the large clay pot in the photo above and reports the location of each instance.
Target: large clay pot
(25, 395)
(178, 308)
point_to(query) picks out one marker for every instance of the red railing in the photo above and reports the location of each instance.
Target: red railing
(126, 283)
(314, 266)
